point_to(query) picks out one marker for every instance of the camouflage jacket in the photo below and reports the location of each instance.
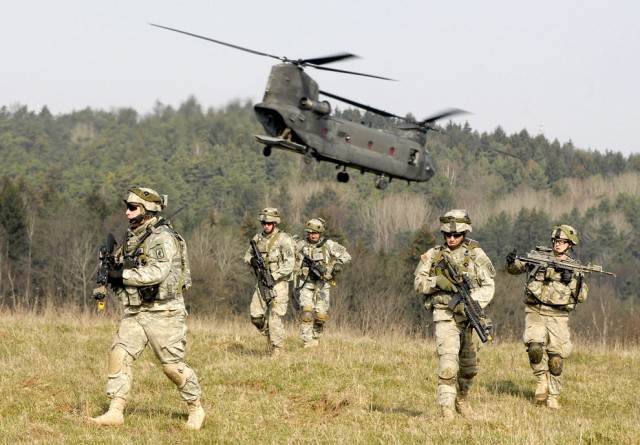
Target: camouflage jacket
(277, 250)
(326, 252)
(156, 271)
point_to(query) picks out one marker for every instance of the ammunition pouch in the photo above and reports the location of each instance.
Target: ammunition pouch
(149, 294)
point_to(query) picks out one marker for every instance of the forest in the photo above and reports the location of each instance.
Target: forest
(63, 178)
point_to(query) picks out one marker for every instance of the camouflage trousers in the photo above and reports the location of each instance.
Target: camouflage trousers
(457, 346)
(165, 331)
(314, 298)
(273, 313)
(554, 334)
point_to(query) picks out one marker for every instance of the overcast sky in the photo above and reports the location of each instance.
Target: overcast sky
(567, 68)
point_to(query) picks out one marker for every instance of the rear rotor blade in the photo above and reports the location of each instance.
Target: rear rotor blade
(347, 72)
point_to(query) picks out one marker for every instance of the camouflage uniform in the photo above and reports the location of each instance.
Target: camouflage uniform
(152, 273)
(314, 290)
(277, 251)
(457, 344)
(549, 298)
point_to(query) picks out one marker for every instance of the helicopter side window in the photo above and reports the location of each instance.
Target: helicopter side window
(413, 157)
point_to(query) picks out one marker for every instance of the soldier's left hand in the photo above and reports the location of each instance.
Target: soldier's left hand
(459, 309)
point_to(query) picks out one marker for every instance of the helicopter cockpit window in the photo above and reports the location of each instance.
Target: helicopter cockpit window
(413, 157)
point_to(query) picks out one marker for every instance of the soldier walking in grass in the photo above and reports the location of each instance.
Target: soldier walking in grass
(551, 293)
(150, 275)
(318, 261)
(273, 263)
(457, 344)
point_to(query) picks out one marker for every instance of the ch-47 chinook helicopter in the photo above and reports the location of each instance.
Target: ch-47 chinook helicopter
(295, 119)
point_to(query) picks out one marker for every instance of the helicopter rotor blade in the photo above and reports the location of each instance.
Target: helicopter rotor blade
(359, 105)
(221, 43)
(328, 59)
(440, 115)
(316, 62)
(347, 72)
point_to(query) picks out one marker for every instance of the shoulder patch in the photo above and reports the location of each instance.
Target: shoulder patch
(159, 252)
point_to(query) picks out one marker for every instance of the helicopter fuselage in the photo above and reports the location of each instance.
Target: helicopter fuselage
(296, 120)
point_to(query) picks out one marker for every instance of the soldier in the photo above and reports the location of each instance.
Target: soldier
(318, 262)
(550, 295)
(457, 344)
(152, 272)
(276, 249)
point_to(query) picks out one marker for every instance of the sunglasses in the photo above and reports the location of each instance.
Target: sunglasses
(132, 207)
(454, 235)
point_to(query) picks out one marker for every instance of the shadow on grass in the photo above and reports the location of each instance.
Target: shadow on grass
(509, 388)
(239, 349)
(396, 410)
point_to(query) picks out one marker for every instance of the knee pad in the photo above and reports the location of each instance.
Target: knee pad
(319, 319)
(178, 373)
(119, 361)
(258, 322)
(535, 351)
(307, 315)
(555, 364)
(448, 368)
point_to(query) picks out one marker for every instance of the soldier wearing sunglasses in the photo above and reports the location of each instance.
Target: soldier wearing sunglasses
(457, 344)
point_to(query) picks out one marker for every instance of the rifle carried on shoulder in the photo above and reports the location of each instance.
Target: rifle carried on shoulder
(543, 258)
(475, 315)
(266, 283)
(107, 263)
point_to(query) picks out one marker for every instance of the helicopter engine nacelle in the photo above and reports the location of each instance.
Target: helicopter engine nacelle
(322, 108)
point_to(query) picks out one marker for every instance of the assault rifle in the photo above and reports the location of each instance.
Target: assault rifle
(316, 271)
(475, 315)
(266, 283)
(107, 263)
(542, 257)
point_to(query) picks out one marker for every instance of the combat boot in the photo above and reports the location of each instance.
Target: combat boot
(196, 415)
(542, 389)
(114, 415)
(446, 400)
(276, 351)
(463, 407)
(552, 401)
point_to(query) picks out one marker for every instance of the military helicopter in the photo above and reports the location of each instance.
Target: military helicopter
(295, 119)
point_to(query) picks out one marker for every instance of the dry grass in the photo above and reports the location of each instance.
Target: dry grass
(350, 390)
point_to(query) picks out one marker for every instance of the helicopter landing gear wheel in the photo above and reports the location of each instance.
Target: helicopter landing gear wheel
(266, 151)
(343, 177)
(381, 182)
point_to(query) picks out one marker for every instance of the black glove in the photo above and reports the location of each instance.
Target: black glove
(511, 257)
(114, 278)
(254, 262)
(565, 276)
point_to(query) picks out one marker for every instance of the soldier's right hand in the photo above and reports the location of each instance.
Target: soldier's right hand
(511, 257)
(254, 262)
(444, 284)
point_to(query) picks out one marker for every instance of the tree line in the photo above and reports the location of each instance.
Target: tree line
(63, 178)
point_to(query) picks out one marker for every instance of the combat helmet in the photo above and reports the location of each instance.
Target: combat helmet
(315, 225)
(565, 232)
(269, 215)
(455, 221)
(147, 198)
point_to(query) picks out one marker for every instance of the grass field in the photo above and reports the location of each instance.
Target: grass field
(350, 390)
